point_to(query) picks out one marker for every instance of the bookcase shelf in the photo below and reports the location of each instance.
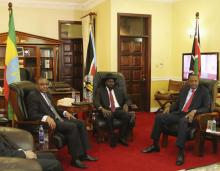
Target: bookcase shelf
(38, 55)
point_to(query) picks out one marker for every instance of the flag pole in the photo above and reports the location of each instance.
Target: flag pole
(10, 8)
(197, 15)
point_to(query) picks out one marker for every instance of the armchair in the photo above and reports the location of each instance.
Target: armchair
(196, 133)
(17, 97)
(99, 124)
(24, 140)
(163, 97)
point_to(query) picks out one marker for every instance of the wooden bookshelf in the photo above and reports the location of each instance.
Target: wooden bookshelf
(38, 55)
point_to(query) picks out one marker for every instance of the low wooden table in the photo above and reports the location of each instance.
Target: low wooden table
(214, 137)
(211, 167)
(82, 110)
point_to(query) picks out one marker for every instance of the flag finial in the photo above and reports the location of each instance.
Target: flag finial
(197, 15)
(9, 6)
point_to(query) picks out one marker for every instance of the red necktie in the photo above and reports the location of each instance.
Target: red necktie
(188, 103)
(111, 99)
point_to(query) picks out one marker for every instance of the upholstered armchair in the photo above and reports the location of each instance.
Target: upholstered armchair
(99, 124)
(17, 96)
(196, 133)
(164, 97)
(24, 140)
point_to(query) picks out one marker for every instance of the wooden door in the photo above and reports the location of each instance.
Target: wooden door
(134, 57)
(71, 70)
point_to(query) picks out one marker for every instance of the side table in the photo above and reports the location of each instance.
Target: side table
(214, 136)
(82, 110)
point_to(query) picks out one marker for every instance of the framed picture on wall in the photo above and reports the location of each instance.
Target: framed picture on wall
(20, 51)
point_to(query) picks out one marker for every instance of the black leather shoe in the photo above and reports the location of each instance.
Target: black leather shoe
(123, 142)
(78, 164)
(88, 158)
(151, 149)
(180, 158)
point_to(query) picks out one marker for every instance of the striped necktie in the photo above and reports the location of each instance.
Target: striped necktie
(188, 103)
(57, 116)
(112, 102)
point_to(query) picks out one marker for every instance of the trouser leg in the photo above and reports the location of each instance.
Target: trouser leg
(182, 132)
(73, 135)
(124, 117)
(109, 125)
(163, 120)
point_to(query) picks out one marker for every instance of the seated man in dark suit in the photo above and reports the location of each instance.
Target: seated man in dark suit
(47, 161)
(193, 100)
(40, 107)
(113, 102)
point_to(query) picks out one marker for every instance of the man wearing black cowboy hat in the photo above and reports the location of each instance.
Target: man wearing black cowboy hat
(113, 102)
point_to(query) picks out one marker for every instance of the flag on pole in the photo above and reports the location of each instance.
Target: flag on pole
(91, 56)
(11, 67)
(90, 69)
(195, 63)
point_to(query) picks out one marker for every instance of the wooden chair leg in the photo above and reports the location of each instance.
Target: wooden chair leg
(214, 145)
(164, 140)
(199, 144)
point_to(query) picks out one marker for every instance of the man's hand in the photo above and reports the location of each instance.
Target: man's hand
(106, 113)
(51, 122)
(69, 116)
(30, 154)
(166, 110)
(125, 108)
(191, 115)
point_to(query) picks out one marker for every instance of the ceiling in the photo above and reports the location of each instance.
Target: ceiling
(64, 4)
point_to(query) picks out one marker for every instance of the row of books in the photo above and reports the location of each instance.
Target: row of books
(47, 63)
(27, 63)
(46, 53)
(47, 74)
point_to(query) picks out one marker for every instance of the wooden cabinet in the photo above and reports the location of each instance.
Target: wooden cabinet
(38, 55)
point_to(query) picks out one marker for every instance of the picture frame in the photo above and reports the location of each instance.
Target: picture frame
(20, 51)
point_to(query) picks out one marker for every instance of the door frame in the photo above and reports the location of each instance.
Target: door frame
(147, 55)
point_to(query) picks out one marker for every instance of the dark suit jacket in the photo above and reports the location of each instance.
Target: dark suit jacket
(38, 107)
(102, 98)
(201, 100)
(8, 149)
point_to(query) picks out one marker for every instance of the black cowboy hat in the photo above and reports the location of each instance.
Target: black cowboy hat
(109, 76)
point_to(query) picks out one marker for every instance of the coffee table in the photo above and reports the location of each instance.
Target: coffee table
(210, 167)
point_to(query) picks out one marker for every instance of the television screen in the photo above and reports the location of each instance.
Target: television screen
(209, 65)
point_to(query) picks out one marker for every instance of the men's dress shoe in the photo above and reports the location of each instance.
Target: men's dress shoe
(151, 149)
(78, 164)
(88, 158)
(123, 142)
(180, 158)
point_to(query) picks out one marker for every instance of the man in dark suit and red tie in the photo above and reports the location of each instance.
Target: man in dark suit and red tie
(193, 100)
(40, 107)
(113, 102)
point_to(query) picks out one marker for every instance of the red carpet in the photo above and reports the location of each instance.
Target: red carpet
(131, 159)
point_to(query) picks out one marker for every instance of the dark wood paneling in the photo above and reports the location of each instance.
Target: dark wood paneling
(134, 58)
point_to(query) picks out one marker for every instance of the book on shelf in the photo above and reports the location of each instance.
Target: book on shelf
(21, 63)
(47, 74)
(46, 63)
(46, 53)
